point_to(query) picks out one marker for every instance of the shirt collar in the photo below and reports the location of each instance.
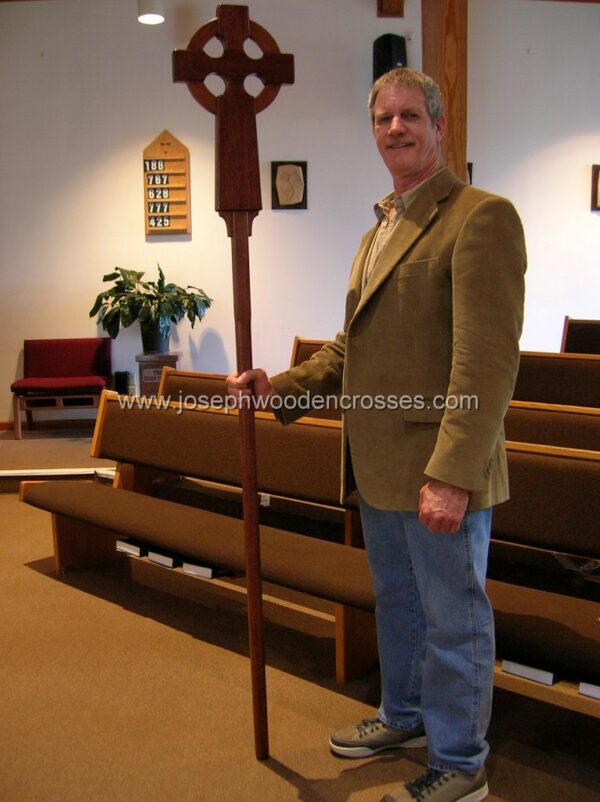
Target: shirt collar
(401, 202)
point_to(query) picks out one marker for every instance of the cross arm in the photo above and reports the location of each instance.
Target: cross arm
(271, 68)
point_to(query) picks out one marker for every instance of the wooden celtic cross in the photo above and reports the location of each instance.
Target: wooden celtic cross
(238, 201)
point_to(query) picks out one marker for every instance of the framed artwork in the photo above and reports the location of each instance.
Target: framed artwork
(289, 185)
(596, 187)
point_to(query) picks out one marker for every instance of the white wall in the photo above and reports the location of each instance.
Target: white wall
(84, 88)
(534, 133)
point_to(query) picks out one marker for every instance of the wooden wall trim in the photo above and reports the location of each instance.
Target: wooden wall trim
(444, 25)
(390, 8)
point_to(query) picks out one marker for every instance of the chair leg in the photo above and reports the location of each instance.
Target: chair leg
(17, 417)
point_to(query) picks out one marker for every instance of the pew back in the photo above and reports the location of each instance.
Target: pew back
(303, 349)
(301, 461)
(553, 424)
(549, 391)
(189, 387)
(581, 336)
(546, 483)
(571, 379)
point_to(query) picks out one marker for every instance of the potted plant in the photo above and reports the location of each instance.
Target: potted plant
(155, 304)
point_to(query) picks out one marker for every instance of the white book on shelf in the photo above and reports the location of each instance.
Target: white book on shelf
(205, 571)
(589, 689)
(164, 559)
(132, 547)
(107, 474)
(529, 672)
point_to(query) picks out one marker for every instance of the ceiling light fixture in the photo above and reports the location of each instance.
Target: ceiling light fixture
(150, 12)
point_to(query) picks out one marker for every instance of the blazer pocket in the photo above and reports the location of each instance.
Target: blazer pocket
(420, 268)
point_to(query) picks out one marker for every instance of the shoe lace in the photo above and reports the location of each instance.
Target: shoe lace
(423, 785)
(368, 725)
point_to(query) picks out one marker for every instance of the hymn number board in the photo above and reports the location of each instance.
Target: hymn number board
(167, 186)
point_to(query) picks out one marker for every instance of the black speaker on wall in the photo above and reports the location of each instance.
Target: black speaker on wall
(389, 52)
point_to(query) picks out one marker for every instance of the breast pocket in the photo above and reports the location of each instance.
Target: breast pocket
(425, 286)
(411, 276)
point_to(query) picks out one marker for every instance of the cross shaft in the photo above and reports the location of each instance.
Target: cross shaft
(238, 201)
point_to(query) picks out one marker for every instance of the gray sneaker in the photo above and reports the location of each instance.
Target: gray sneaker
(442, 786)
(371, 736)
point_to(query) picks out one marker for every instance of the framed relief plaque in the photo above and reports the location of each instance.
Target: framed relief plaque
(167, 186)
(289, 185)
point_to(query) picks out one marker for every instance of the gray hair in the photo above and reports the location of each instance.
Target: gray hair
(404, 76)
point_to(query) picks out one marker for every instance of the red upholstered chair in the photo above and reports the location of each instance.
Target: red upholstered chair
(61, 374)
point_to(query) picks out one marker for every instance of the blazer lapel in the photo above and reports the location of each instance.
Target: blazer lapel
(421, 212)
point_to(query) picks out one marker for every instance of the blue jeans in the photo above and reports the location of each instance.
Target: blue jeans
(435, 631)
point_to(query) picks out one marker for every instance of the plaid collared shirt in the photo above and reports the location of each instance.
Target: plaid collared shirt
(389, 210)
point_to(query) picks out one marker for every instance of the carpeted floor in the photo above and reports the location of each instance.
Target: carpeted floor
(60, 448)
(114, 691)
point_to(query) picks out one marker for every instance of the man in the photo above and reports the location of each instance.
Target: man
(433, 318)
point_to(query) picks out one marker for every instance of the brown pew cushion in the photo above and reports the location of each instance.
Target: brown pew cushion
(329, 570)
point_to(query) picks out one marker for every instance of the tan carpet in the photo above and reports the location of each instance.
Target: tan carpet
(47, 449)
(113, 691)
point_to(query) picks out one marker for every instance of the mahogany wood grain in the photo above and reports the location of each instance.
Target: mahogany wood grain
(444, 34)
(390, 8)
(238, 201)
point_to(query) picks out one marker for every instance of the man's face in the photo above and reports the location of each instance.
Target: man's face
(409, 142)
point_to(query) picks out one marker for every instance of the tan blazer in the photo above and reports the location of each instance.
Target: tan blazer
(441, 317)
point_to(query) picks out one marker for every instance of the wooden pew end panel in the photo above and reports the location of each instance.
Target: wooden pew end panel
(79, 545)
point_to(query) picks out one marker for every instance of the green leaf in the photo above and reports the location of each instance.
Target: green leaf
(150, 302)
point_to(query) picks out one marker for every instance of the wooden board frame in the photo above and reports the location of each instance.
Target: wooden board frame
(166, 163)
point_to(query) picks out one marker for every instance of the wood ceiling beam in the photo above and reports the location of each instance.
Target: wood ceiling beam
(444, 26)
(390, 8)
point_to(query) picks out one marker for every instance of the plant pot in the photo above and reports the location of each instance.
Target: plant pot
(152, 342)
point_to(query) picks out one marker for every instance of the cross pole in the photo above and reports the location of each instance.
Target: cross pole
(238, 201)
